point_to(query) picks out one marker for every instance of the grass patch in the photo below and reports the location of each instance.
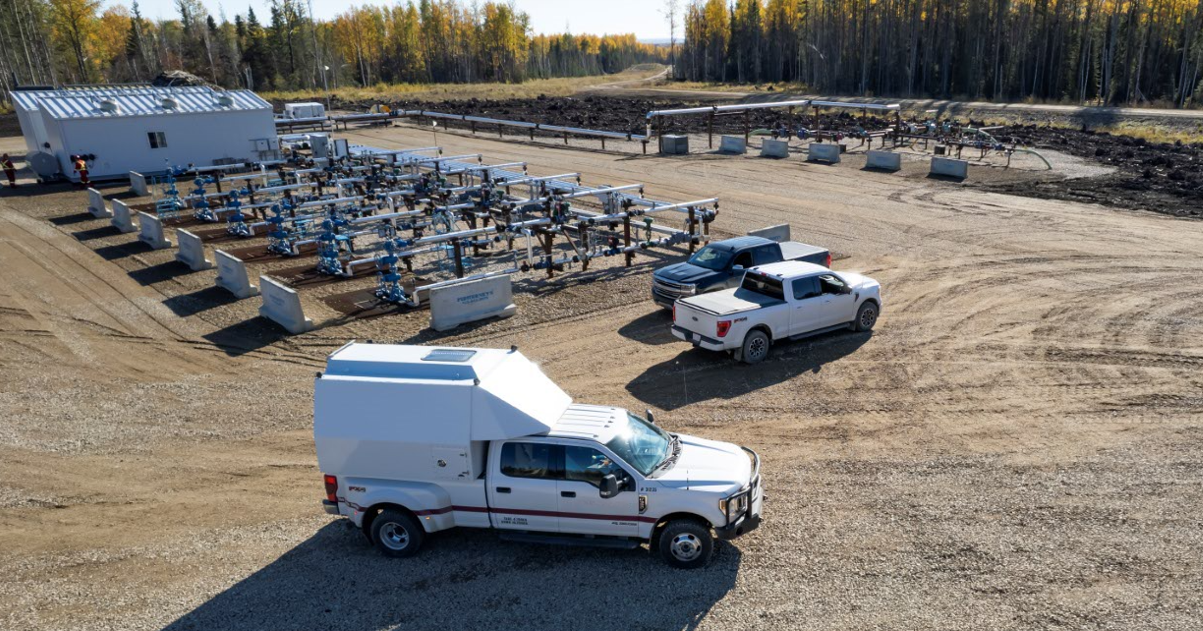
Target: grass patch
(381, 92)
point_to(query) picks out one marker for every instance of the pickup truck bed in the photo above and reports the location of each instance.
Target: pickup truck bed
(794, 251)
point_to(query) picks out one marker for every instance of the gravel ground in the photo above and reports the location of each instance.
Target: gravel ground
(1016, 446)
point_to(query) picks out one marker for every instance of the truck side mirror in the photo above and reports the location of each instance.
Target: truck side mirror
(651, 418)
(609, 487)
(845, 289)
(737, 268)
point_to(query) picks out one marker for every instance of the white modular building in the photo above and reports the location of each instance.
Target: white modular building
(142, 128)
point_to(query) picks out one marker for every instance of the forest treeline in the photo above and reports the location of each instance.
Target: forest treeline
(58, 42)
(1109, 51)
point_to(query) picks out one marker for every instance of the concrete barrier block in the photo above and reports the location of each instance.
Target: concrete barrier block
(123, 219)
(152, 231)
(283, 306)
(469, 301)
(97, 205)
(884, 160)
(823, 152)
(779, 233)
(949, 167)
(733, 144)
(192, 251)
(137, 184)
(674, 145)
(770, 148)
(232, 276)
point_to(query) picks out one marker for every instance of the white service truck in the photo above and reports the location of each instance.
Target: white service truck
(776, 302)
(412, 440)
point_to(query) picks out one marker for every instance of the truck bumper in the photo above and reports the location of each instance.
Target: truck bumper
(742, 526)
(331, 508)
(697, 339)
(662, 301)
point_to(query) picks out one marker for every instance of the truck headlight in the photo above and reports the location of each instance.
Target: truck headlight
(738, 505)
(689, 289)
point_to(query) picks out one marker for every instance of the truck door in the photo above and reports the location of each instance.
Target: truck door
(806, 307)
(524, 494)
(837, 305)
(582, 509)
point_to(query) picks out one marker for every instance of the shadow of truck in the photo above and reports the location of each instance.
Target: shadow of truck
(465, 579)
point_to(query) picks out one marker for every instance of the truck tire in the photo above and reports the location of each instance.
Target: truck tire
(866, 317)
(755, 347)
(686, 544)
(396, 534)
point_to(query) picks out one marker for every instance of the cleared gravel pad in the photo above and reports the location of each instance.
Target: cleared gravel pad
(1016, 446)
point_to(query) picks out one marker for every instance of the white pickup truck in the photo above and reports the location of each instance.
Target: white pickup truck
(775, 302)
(414, 440)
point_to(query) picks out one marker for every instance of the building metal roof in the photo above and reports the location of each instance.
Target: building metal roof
(71, 104)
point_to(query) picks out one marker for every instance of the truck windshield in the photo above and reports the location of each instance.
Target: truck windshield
(642, 445)
(763, 285)
(711, 258)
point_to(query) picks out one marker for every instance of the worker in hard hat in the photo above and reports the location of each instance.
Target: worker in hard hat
(9, 170)
(81, 166)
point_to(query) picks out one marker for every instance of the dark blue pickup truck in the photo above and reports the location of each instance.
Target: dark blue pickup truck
(721, 265)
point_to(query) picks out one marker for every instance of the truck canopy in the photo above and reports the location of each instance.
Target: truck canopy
(434, 395)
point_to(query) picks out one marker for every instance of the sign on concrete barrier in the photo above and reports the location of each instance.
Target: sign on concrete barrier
(884, 160)
(122, 218)
(950, 167)
(780, 234)
(232, 276)
(192, 251)
(283, 306)
(137, 184)
(770, 148)
(469, 301)
(152, 231)
(96, 204)
(823, 152)
(733, 144)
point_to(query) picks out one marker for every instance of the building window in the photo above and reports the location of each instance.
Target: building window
(158, 139)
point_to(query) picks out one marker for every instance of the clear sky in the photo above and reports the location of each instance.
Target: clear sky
(641, 17)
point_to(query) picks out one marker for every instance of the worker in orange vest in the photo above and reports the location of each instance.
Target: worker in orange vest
(9, 170)
(82, 167)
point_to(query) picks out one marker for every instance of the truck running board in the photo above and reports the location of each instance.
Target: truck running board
(572, 540)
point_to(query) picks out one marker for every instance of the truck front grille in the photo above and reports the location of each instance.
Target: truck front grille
(671, 290)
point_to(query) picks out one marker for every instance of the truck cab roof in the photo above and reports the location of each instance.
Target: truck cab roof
(595, 422)
(740, 243)
(790, 269)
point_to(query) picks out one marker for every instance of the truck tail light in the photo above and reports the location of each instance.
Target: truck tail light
(331, 487)
(829, 260)
(674, 313)
(723, 327)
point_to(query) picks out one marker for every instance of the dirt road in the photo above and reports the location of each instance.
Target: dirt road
(1016, 446)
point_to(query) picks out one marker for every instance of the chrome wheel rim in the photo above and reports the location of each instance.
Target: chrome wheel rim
(686, 547)
(394, 536)
(757, 347)
(868, 317)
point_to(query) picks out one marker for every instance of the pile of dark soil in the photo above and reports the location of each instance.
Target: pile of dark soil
(1163, 177)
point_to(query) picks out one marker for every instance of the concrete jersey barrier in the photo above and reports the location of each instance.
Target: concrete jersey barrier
(152, 231)
(137, 184)
(884, 160)
(780, 233)
(122, 218)
(232, 276)
(192, 251)
(469, 301)
(733, 144)
(283, 306)
(97, 205)
(823, 152)
(770, 148)
(950, 167)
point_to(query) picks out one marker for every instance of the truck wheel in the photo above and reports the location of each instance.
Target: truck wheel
(866, 317)
(397, 534)
(686, 544)
(755, 347)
